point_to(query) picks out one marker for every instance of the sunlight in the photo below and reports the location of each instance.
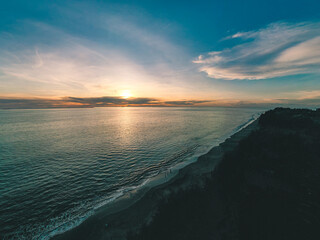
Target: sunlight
(126, 94)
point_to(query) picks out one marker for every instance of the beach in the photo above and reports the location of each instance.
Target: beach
(266, 188)
(130, 212)
(87, 162)
(159, 120)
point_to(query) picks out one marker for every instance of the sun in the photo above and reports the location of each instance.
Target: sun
(126, 94)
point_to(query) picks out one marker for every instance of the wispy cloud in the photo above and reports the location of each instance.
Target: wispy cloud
(280, 49)
(120, 53)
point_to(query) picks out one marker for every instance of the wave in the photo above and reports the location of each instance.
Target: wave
(150, 177)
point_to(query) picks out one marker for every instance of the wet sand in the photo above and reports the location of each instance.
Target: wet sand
(134, 209)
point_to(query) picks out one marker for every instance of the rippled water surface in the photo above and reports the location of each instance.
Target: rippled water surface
(58, 165)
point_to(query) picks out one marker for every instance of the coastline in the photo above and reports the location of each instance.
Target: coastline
(265, 188)
(135, 208)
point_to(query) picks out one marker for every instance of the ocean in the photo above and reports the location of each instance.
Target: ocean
(58, 166)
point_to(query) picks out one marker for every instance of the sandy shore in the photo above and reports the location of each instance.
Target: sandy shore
(134, 209)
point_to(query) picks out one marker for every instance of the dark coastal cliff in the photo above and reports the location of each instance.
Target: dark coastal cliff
(268, 187)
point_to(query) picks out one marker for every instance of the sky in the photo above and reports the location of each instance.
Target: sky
(159, 53)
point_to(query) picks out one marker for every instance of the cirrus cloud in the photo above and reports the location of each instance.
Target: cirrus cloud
(280, 49)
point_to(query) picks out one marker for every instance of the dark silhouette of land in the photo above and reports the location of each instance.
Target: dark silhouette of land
(262, 183)
(266, 188)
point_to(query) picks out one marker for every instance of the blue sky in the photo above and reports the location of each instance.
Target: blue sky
(204, 52)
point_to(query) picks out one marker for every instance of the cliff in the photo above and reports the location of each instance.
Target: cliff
(267, 187)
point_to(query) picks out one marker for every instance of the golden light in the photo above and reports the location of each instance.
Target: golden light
(125, 94)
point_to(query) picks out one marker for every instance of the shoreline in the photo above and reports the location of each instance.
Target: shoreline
(136, 208)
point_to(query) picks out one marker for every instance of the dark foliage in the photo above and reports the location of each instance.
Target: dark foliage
(266, 189)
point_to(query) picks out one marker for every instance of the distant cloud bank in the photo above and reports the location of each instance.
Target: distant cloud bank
(301, 99)
(280, 49)
(76, 102)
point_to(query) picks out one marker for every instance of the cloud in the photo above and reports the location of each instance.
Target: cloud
(76, 102)
(298, 99)
(280, 49)
(109, 101)
(185, 102)
(110, 49)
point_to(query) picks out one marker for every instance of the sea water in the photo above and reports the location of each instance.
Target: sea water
(57, 166)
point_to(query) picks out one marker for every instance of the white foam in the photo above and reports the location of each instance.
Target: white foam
(70, 220)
